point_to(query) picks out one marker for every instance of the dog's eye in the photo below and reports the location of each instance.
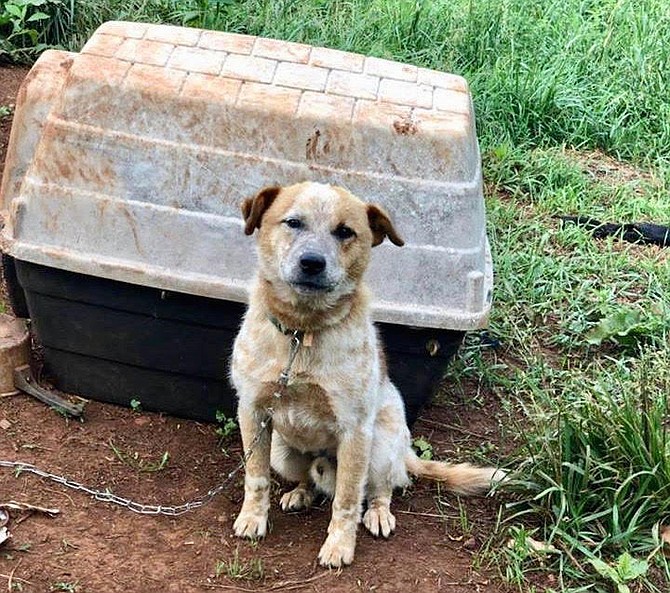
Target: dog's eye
(343, 232)
(293, 223)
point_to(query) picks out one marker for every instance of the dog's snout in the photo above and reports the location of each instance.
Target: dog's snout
(312, 263)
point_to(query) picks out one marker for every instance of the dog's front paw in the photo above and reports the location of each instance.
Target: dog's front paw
(338, 549)
(379, 520)
(251, 525)
(297, 499)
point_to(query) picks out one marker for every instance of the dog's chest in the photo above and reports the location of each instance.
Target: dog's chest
(304, 416)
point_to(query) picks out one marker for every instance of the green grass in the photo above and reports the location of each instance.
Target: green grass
(597, 472)
(137, 461)
(594, 461)
(591, 415)
(562, 281)
(573, 116)
(239, 569)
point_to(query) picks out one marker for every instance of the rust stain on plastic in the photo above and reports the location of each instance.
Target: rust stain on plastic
(312, 145)
(64, 169)
(66, 64)
(133, 228)
(405, 127)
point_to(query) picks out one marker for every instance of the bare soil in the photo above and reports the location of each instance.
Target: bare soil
(91, 546)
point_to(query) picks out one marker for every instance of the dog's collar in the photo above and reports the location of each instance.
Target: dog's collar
(285, 330)
(304, 337)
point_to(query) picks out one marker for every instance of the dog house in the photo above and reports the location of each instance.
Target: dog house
(125, 172)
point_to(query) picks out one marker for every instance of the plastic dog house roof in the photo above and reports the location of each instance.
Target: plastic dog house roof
(129, 160)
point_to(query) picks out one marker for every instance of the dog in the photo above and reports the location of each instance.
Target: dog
(308, 356)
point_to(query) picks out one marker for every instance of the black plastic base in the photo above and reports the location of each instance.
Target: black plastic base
(116, 342)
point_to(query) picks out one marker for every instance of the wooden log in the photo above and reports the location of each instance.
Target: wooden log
(14, 350)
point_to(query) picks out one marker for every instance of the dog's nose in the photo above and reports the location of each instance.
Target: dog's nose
(312, 263)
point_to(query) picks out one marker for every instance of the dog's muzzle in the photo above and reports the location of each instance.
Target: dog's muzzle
(312, 276)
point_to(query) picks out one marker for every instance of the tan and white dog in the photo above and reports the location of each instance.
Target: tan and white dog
(339, 423)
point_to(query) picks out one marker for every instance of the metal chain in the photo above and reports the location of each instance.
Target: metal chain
(136, 507)
(173, 511)
(285, 375)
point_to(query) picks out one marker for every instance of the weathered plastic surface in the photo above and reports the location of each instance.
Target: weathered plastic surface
(130, 159)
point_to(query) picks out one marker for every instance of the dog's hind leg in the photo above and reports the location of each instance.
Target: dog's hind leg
(378, 518)
(299, 498)
(293, 466)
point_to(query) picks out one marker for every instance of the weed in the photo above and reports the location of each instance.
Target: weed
(560, 73)
(625, 570)
(423, 447)
(458, 525)
(599, 469)
(524, 554)
(582, 368)
(463, 519)
(135, 405)
(135, 460)
(227, 426)
(632, 327)
(235, 568)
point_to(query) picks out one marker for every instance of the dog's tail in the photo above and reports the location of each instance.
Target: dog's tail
(461, 478)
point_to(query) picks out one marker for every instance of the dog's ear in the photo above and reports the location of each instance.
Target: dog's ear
(254, 208)
(382, 227)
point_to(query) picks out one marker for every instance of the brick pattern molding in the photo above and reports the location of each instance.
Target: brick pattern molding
(280, 63)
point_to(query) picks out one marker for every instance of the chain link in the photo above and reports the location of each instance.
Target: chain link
(285, 375)
(137, 507)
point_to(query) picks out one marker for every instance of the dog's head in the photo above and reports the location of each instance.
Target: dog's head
(315, 239)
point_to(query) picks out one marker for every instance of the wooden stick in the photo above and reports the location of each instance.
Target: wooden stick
(24, 506)
(432, 515)
(10, 583)
(6, 576)
(283, 586)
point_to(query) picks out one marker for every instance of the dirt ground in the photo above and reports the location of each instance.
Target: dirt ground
(90, 546)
